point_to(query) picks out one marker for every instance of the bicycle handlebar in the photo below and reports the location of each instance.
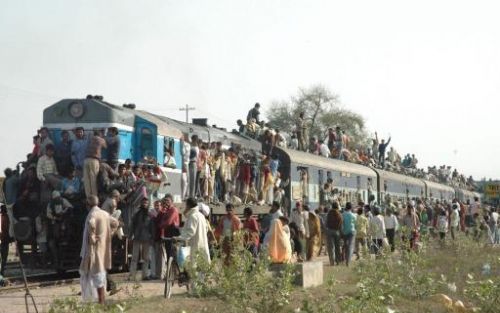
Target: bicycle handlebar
(173, 239)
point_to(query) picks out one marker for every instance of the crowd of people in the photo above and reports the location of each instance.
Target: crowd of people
(336, 143)
(78, 186)
(51, 190)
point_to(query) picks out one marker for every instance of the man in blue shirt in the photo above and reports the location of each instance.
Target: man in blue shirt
(348, 231)
(79, 149)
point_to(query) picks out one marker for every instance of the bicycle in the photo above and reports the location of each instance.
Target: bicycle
(173, 271)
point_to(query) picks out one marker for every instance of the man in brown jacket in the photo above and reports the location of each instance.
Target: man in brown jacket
(92, 161)
(96, 251)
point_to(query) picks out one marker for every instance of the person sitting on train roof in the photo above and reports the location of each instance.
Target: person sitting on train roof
(279, 139)
(294, 141)
(254, 113)
(354, 158)
(241, 127)
(267, 142)
(314, 145)
(414, 161)
(323, 149)
(253, 128)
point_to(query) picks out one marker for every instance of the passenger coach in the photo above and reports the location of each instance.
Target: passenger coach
(439, 192)
(308, 173)
(395, 187)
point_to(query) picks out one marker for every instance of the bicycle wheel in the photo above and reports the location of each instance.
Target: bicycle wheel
(169, 278)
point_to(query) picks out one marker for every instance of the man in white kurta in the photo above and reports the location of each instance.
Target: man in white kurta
(195, 231)
(96, 251)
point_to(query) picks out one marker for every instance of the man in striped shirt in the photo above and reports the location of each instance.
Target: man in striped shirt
(46, 171)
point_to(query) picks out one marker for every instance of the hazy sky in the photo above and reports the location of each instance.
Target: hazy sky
(426, 72)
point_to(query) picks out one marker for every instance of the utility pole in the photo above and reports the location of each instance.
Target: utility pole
(187, 108)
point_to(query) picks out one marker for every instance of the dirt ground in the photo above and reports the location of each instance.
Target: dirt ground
(13, 302)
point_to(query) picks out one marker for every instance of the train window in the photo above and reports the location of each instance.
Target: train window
(329, 175)
(358, 182)
(320, 178)
(146, 142)
(304, 182)
(168, 145)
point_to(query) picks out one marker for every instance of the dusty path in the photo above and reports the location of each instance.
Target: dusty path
(13, 302)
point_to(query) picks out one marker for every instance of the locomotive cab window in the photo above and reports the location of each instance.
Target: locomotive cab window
(146, 142)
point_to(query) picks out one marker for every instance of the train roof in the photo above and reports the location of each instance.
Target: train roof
(327, 163)
(212, 134)
(438, 186)
(465, 192)
(97, 113)
(164, 128)
(90, 111)
(399, 177)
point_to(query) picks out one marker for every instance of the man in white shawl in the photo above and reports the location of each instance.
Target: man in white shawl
(96, 251)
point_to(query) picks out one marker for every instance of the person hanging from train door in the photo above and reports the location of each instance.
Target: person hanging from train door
(63, 154)
(79, 150)
(186, 149)
(113, 150)
(193, 159)
(46, 171)
(58, 209)
(44, 141)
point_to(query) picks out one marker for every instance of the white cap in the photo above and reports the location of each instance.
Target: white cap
(204, 209)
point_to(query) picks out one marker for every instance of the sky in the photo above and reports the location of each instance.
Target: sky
(425, 72)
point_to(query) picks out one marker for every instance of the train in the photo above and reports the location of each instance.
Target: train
(146, 135)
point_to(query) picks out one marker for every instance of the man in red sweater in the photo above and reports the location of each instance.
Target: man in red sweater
(167, 225)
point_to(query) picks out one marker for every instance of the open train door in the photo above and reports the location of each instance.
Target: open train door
(145, 140)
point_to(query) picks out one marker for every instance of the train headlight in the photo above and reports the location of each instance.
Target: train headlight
(76, 109)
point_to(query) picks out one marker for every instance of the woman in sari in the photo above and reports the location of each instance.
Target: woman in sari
(278, 241)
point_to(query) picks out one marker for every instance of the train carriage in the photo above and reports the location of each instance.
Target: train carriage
(308, 172)
(439, 192)
(395, 187)
(464, 195)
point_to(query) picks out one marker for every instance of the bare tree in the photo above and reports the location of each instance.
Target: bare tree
(322, 110)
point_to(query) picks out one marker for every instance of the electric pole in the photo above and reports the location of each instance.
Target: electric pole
(187, 108)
